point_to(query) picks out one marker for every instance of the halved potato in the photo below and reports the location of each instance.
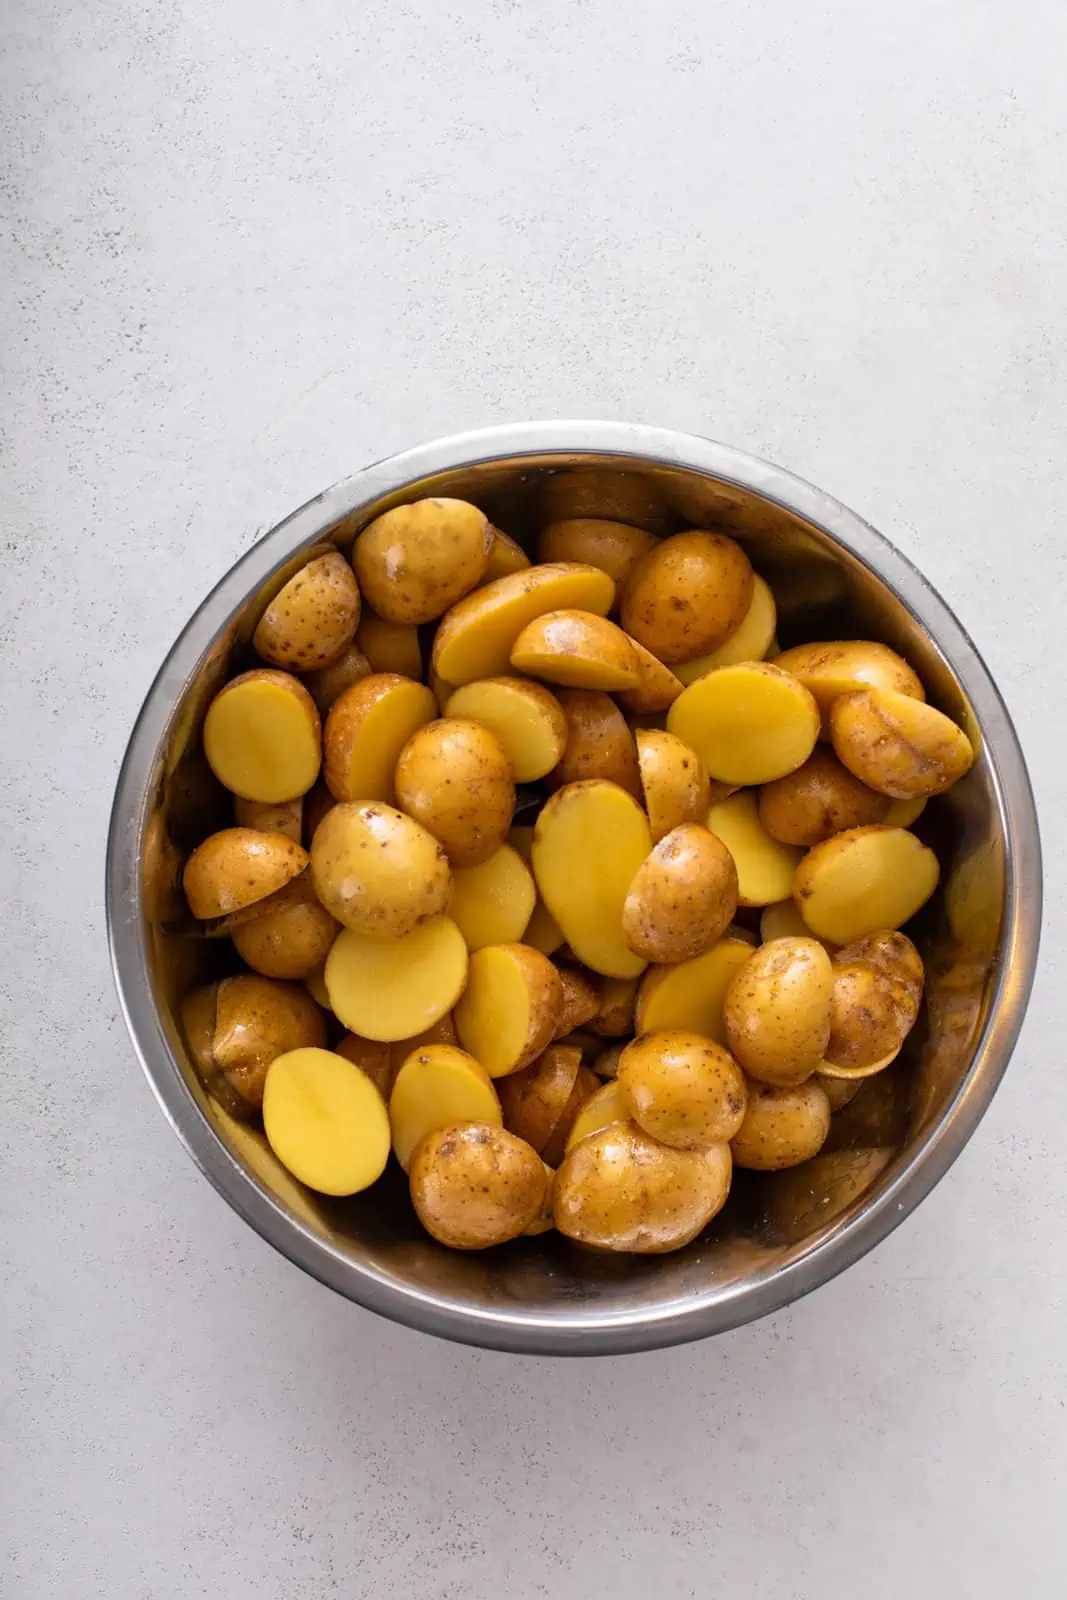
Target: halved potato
(390, 989)
(765, 868)
(675, 786)
(325, 1121)
(819, 799)
(330, 682)
(366, 729)
(782, 920)
(390, 646)
(262, 737)
(313, 618)
(492, 903)
(683, 1089)
(505, 557)
(285, 816)
(580, 999)
(236, 1028)
(438, 1085)
(474, 1185)
(687, 595)
(657, 687)
(614, 547)
(682, 897)
(782, 1127)
(778, 1010)
(902, 813)
(542, 932)
(692, 994)
(899, 745)
(453, 777)
(586, 1085)
(589, 840)
(863, 880)
(534, 1099)
(752, 641)
(841, 666)
(475, 638)
(377, 871)
(415, 561)
(874, 1008)
(510, 1007)
(577, 649)
(607, 1106)
(748, 724)
(526, 717)
(238, 867)
(290, 942)
(598, 742)
(892, 951)
(620, 1190)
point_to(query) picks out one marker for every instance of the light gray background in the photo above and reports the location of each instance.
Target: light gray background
(253, 245)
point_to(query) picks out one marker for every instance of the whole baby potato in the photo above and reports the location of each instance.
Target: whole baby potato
(687, 595)
(366, 728)
(682, 897)
(777, 1010)
(474, 1185)
(818, 799)
(617, 1189)
(782, 1127)
(313, 618)
(417, 560)
(453, 777)
(614, 547)
(289, 942)
(577, 649)
(526, 717)
(598, 743)
(236, 867)
(377, 871)
(863, 880)
(683, 1088)
(898, 745)
(674, 784)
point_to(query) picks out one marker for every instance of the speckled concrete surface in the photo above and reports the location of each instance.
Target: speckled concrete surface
(251, 246)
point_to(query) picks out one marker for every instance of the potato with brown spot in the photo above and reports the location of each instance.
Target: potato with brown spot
(474, 1186)
(417, 560)
(453, 777)
(893, 950)
(577, 649)
(782, 1127)
(619, 1190)
(674, 784)
(377, 871)
(534, 1100)
(598, 742)
(289, 942)
(872, 1010)
(898, 745)
(687, 595)
(580, 999)
(683, 1089)
(817, 800)
(313, 618)
(831, 668)
(777, 1010)
(237, 867)
(286, 816)
(682, 897)
(614, 1017)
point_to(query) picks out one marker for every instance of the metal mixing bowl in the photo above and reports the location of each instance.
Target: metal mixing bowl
(779, 1236)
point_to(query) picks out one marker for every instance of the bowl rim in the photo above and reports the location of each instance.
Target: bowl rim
(676, 1321)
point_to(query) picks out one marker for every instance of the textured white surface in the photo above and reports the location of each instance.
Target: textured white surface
(252, 246)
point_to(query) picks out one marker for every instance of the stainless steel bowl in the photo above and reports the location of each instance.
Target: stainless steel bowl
(779, 1237)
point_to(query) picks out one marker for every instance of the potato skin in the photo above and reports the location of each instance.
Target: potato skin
(683, 1089)
(417, 560)
(374, 1059)
(614, 547)
(534, 1100)
(829, 668)
(657, 687)
(580, 999)
(782, 1127)
(258, 1019)
(236, 867)
(620, 1190)
(586, 1085)
(453, 777)
(577, 649)
(819, 799)
(599, 744)
(289, 942)
(682, 897)
(313, 618)
(777, 1011)
(674, 784)
(377, 871)
(328, 683)
(474, 1186)
(687, 595)
(894, 951)
(872, 1012)
(614, 1017)
(898, 745)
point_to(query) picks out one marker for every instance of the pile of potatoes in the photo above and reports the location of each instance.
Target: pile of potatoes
(680, 954)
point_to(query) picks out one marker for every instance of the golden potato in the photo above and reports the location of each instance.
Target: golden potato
(872, 1011)
(777, 1011)
(366, 729)
(683, 1089)
(535, 1099)
(475, 638)
(474, 1185)
(287, 816)
(542, 931)
(577, 649)
(608, 1105)
(586, 1085)
(453, 777)
(898, 745)
(505, 557)
(674, 783)
(589, 840)
(390, 646)
(312, 619)
(417, 560)
(526, 717)
(238, 867)
(681, 898)
(841, 666)
(609, 494)
(236, 1028)
(830, 1072)
(543, 1223)
(782, 1127)
(614, 547)
(377, 871)
(692, 994)
(325, 1121)
(330, 682)
(580, 999)
(443, 1031)
(389, 989)
(752, 641)
(374, 1059)
(863, 880)
(614, 1017)
(819, 799)
(510, 1007)
(262, 737)
(765, 868)
(749, 723)
(437, 1086)
(892, 951)
(782, 920)
(290, 942)
(598, 742)
(902, 813)
(687, 595)
(620, 1190)
(657, 687)
(492, 903)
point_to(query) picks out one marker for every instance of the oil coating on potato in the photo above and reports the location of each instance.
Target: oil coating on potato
(819, 799)
(313, 618)
(262, 737)
(674, 784)
(618, 1189)
(782, 1127)
(417, 560)
(377, 871)
(287, 816)
(453, 777)
(682, 897)
(840, 666)
(752, 641)
(437, 1086)
(237, 867)
(782, 920)
(586, 1085)
(749, 723)
(687, 595)
(898, 745)
(475, 638)
(325, 1121)
(777, 1010)
(683, 1089)
(598, 742)
(606, 1106)
(509, 1008)
(577, 649)
(289, 942)
(474, 1186)
(366, 729)
(863, 880)
(373, 1058)
(893, 951)
(526, 717)
(872, 1012)
(505, 557)
(614, 547)
(614, 1016)
(534, 1100)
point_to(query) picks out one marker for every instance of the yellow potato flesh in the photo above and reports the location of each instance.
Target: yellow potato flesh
(902, 813)
(542, 932)
(589, 841)
(577, 649)
(765, 868)
(692, 994)
(526, 718)
(498, 1017)
(606, 1106)
(657, 688)
(863, 880)
(390, 646)
(751, 642)
(325, 1121)
(436, 1087)
(475, 638)
(390, 989)
(748, 723)
(783, 921)
(262, 738)
(505, 557)
(361, 758)
(827, 1069)
(835, 667)
(492, 903)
